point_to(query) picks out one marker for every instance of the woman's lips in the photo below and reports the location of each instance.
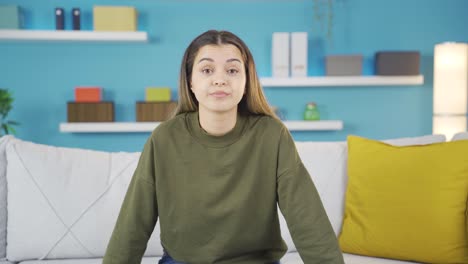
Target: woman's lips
(219, 94)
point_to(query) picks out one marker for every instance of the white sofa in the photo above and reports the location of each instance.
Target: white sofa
(59, 205)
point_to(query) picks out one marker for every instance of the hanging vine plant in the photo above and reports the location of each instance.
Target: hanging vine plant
(323, 14)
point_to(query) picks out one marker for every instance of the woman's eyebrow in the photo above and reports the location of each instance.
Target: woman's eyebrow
(234, 59)
(211, 60)
(208, 59)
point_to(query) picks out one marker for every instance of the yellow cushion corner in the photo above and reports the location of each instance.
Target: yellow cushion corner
(407, 203)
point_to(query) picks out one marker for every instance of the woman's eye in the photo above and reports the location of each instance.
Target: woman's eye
(207, 71)
(232, 71)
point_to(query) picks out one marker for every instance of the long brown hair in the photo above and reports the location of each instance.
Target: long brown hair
(253, 102)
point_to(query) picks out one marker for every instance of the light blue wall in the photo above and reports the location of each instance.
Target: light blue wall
(43, 75)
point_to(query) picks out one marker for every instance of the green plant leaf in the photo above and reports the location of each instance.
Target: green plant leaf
(11, 129)
(14, 123)
(6, 104)
(5, 129)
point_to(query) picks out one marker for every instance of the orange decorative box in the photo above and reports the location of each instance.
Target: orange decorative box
(88, 94)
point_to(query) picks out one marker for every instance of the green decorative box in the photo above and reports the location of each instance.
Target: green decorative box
(158, 94)
(10, 17)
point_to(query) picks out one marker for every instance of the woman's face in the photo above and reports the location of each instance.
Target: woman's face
(218, 78)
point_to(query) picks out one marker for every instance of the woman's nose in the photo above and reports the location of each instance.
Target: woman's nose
(219, 82)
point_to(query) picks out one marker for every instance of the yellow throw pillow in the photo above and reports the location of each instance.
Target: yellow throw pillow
(407, 203)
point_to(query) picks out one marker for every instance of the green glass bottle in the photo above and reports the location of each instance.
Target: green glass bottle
(311, 112)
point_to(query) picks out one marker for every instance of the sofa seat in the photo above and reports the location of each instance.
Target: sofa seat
(289, 258)
(355, 259)
(146, 260)
(294, 258)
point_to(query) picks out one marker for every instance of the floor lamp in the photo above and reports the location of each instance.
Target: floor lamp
(450, 88)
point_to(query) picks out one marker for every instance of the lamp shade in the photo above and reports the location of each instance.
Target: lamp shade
(450, 88)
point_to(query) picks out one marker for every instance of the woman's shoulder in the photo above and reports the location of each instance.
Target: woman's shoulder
(267, 122)
(170, 126)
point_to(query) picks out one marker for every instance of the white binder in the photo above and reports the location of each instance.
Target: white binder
(299, 54)
(280, 55)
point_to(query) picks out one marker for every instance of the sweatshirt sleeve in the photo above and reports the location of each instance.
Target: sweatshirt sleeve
(138, 214)
(302, 208)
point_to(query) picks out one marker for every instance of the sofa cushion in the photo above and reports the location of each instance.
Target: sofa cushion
(456, 137)
(294, 258)
(145, 260)
(407, 203)
(63, 202)
(3, 194)
(285, 232)
(326, 162)
(460, 136)
(357, 259)
(289, 258)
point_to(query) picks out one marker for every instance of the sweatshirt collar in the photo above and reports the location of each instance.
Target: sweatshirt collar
(193, 123)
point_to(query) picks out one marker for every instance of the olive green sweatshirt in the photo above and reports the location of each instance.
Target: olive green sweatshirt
(216, 197)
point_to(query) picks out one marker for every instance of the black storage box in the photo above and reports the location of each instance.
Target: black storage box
(393, 63)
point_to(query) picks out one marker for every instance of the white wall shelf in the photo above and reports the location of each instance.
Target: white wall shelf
(342, 81)
(122, 127)
(314, 125)
(72, 35)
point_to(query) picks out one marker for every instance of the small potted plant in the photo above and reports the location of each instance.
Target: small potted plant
(6, 104)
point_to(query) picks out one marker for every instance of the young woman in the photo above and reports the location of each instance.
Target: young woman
(215, 173)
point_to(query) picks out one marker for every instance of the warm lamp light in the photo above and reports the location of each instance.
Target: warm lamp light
(450, 88)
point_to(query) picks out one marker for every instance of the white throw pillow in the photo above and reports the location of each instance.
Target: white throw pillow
(326, 162)
(422, 140)
(285, 232)
(460, 136)
(3, 194)
(63, 202)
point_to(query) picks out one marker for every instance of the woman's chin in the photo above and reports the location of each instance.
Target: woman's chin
(221, 108)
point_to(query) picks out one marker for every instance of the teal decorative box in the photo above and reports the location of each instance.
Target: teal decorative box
(10, 17)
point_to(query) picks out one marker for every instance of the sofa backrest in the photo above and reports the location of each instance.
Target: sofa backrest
(3, 194)
(63, 202)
